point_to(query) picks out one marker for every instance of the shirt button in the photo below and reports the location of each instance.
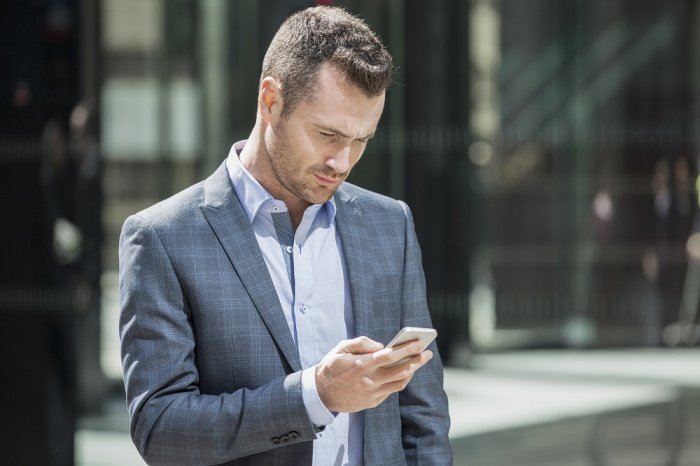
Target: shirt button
(284, 438)
(289, 249)
(294, 435)
(276, 440)
(304, 309)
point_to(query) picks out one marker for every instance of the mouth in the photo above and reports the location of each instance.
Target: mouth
(326, 181)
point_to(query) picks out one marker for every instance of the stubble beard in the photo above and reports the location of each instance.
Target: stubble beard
(297, 180)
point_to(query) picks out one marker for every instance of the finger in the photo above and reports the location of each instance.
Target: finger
(395, 372)
(420, 360)
(405, 369)
(394, 354)
(396, 385)
(359, 345)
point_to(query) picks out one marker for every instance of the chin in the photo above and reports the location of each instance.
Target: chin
(321, 198)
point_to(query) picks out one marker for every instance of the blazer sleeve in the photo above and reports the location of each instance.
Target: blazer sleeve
(425, 420)
(171, 421)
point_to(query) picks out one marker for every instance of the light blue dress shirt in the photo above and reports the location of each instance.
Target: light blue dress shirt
(319, 310)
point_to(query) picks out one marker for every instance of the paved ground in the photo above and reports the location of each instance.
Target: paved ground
(571, 408)
(537, 408)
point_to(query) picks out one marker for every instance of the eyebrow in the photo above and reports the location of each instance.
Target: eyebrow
(340, 133)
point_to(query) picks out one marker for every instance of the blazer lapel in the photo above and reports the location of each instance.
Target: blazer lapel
(358, 258)
(230, 223)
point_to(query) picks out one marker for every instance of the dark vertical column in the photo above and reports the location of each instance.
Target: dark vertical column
(436, 106)
(83, 136)
(40, 240)
(574, 213)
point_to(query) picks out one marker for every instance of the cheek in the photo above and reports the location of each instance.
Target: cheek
(316, 153)
(356, 154)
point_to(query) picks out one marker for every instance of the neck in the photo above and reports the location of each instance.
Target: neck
(255, 159)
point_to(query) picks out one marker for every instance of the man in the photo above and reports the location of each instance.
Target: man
(255, 304)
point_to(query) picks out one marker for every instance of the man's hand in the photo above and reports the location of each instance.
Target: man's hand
(353, 376)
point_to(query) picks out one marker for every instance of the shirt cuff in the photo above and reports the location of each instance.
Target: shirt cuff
(318, 413)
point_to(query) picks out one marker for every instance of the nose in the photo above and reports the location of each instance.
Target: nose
(340, 161)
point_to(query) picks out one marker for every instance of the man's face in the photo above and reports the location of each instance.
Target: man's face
(312, 150)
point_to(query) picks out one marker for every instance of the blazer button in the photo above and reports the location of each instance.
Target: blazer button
(284, 438)
(276, 440)
(294, 435)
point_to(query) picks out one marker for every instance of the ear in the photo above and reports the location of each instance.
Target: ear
(270, 100)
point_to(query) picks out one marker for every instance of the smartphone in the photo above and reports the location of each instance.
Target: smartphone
(406, 334)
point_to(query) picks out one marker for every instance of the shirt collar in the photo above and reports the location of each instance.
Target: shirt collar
(254, 197)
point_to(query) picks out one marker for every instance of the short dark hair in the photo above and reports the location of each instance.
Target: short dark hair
(314, 36)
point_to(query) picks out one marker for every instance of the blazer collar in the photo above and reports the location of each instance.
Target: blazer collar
(232, 227)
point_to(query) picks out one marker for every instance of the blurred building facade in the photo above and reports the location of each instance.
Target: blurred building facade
(589, 192)
(547, 148)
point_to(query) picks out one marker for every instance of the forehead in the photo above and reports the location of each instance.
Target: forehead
(339, 103)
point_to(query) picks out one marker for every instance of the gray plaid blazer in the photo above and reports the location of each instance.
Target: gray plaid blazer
(211, 372)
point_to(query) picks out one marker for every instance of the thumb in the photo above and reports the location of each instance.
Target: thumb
(359, 345)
